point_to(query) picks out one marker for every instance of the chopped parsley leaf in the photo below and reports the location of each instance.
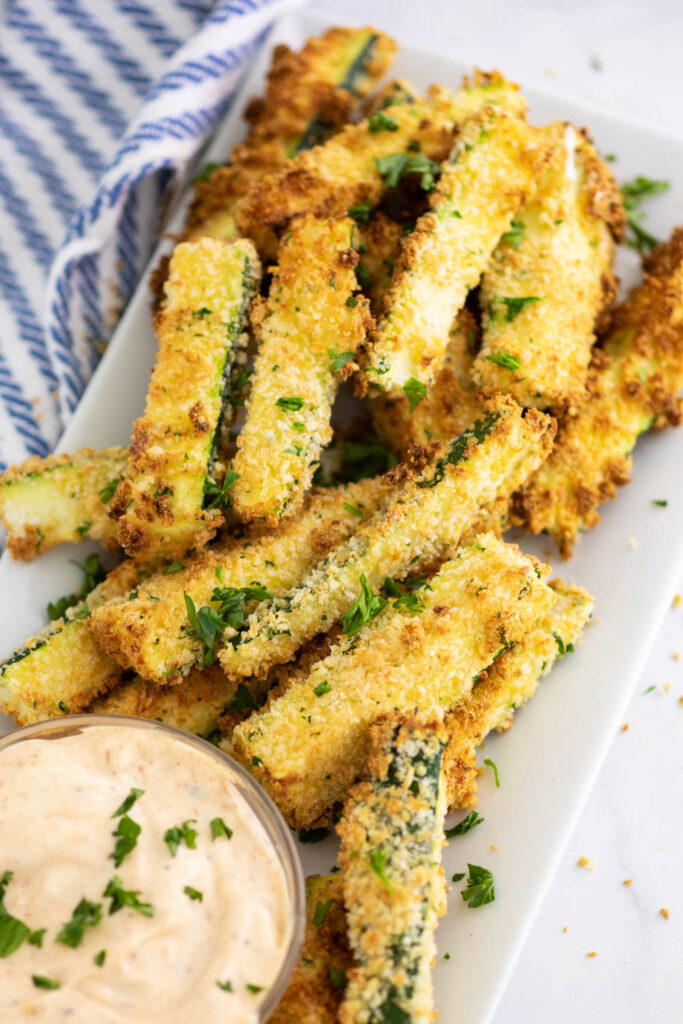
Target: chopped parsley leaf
(109, 490)
(338, 978)
(219, 828)
(40, 981)
(216, 495)
(184, 833)
(412, 603)
(561, 646)
(12, 931)
(366, 606)
(480, 888)
(63, 707)
(254, 989)
(86, 915)
(339, 360)
(321, 688)
(194, 894)
(378, 864)
(415, 391)
(458, 876)
(352, 302)
(505, 360)
(515, 236)
(395, 166)
(380, 122)
(492, 765)
(363, 275)
(126, 835)
(353, 510)
(660, 502)
(93, 573)
(243, 700)
(36, 938)
(470, 822)
(173, 568)
(292, 404)
(633, 194)
(649, 689)
(515, 305)
(360, 212)
(121, 897)
(321, 911)
(100, 957)
(225, 985)
(206, 172)
(132, 797)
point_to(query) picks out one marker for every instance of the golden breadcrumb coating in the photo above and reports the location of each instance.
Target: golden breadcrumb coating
(308, 745)
(311, 323)
(633, 383)
(394, 887)
(149, 632)
(507, 685)
(315, 989)
(550, 279)
(437, 501)
(379, 243)
(329, 180)
(161, 504)
(452, 402)
(486, 177)
(309, 95)
(60, 499)
(61, 670)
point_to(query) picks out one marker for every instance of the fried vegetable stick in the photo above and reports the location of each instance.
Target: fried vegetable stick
(315, 989)
(507, 685)
(61, 669)
(309, 95)
(426, 516)
(333, 178)
(451, 403)
(394, 887)
(379, 244)
(486, 177)
(168, 500)
(60, 499)
(550, 279)
(632, 384)
(151, 633)
(308, 745)
(310, 327)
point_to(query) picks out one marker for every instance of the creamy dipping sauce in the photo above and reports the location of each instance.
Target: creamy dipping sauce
(220, 913)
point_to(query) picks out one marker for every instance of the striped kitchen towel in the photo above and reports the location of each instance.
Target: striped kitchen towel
(103, 109)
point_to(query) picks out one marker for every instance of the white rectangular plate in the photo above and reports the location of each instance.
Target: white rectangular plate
(630, 563)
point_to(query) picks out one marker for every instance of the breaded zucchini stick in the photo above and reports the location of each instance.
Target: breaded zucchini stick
(486, 177)
(337, 176)
(61, 669)
(451, 403)
(310, 327)
(309, 95)
(633, 383)
(316, 987)
(394, 887)
(308, 745)
(379, 243)
(168, 500)
(550, 278)
(60, 499)
(507, 685)
(151, 633)
(426, 516)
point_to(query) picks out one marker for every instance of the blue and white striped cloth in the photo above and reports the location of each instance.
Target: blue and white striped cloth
(103, 107)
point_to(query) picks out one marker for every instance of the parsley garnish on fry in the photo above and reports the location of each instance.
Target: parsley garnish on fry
(480, 888)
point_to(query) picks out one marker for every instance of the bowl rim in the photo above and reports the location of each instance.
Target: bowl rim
(259, 802)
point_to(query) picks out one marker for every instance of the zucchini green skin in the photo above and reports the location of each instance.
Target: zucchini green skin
(392, 836)
(353, 75)
(61, 670)
(60, 499)
(166, 503)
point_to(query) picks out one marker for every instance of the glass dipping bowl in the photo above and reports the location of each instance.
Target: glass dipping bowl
(255, 797)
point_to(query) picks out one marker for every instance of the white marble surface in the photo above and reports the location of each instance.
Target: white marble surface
(625, 55)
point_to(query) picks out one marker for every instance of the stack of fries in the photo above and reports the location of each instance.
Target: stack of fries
(359, 618)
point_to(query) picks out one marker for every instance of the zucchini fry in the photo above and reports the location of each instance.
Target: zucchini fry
(394, 887)
(451, 403)
(308, 745)
(167, 501)
(426, 516)
(379, 243)
(315, 989)
(151, 633)
(550, 279)
(61, 669)
(309, 96)
(507, 685)
(311, 323)
(633, 384)
(331, 179)
(486, 177)
(60, 499)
